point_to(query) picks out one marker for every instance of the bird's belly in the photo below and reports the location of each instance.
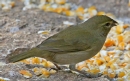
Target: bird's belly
(74, 57)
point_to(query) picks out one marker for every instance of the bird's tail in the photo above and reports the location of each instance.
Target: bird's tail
(22, 53)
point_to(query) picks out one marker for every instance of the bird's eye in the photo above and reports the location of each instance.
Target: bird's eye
(107, 24)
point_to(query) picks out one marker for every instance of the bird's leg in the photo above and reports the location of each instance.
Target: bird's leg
(60, 67)
(86, 74)
(57, 67)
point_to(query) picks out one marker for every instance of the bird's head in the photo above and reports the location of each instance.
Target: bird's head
(105, 22)
(102, 23)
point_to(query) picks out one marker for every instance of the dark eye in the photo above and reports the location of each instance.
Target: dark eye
(107, 24)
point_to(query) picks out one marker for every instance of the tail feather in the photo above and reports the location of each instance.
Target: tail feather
(22, 53)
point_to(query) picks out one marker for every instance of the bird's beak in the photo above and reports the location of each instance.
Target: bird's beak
(115, 23)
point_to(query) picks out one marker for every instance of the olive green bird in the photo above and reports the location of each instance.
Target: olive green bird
(72, 45)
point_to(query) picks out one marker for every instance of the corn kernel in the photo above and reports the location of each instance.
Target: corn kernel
(70, 13)
(45, 72)
(119, 29)
(36, 60)
(120, 38)
(101, 13)
(109, 42)
(25, 73)
(126, 26)
(121, 74)
(99, 61)
(60, 1)
(111, 75)
(121, 45)
(80, 10)
(79, 67)
(12, 4)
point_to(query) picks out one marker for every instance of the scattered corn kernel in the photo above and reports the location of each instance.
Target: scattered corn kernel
(126, 26)
(25, 73)
(60, 1)
(121, 74)
(122, 45)
(45, 72)
(111, 75)
(119, 29)
(36, 60)
(120, 38)
(109, 42)
(101, 13)
(80, 10)
(70, 13)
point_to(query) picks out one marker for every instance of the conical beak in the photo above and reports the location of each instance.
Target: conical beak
(115, 23)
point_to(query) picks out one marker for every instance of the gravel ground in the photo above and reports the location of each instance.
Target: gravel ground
(31, 21)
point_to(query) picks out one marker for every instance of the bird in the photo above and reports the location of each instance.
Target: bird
(72, 45)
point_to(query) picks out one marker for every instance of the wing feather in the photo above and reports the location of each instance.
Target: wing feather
(67, 41)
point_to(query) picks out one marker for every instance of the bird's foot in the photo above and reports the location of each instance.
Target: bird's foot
(84, 73)
(61, 68)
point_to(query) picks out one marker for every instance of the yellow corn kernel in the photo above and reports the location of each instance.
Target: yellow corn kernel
(110, 53)
(126, 37)
(70, 13)
(45, 72)
(122, 65)
(99, 61)
(45, 32)
(45, 7)
(119, 29)
(91, 8)
(81, 17)
(111, 62)
(50, 64)
(129, 3)
(121, 74)
(79, 67)
(25, 61)
(105, 72)
(109, 42)
(50, 1)
(80, 10)
(89, 61)
(111, 75)
(92, 11)
(60, 1)
(12, 4)
(101, 13)
(126, 26)
(36, 71)
(107, 58)
(121, 45)
(2, 79)
(120, 38)
(52, 71)
(113, 67)
(25, 73)
(44, 64)
(58, 10)
(36, 60)
(94, 71)
(2, 5)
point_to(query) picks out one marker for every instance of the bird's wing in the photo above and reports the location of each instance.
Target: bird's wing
(71, 39)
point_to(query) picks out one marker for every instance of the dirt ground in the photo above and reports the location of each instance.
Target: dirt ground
(19, 29)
